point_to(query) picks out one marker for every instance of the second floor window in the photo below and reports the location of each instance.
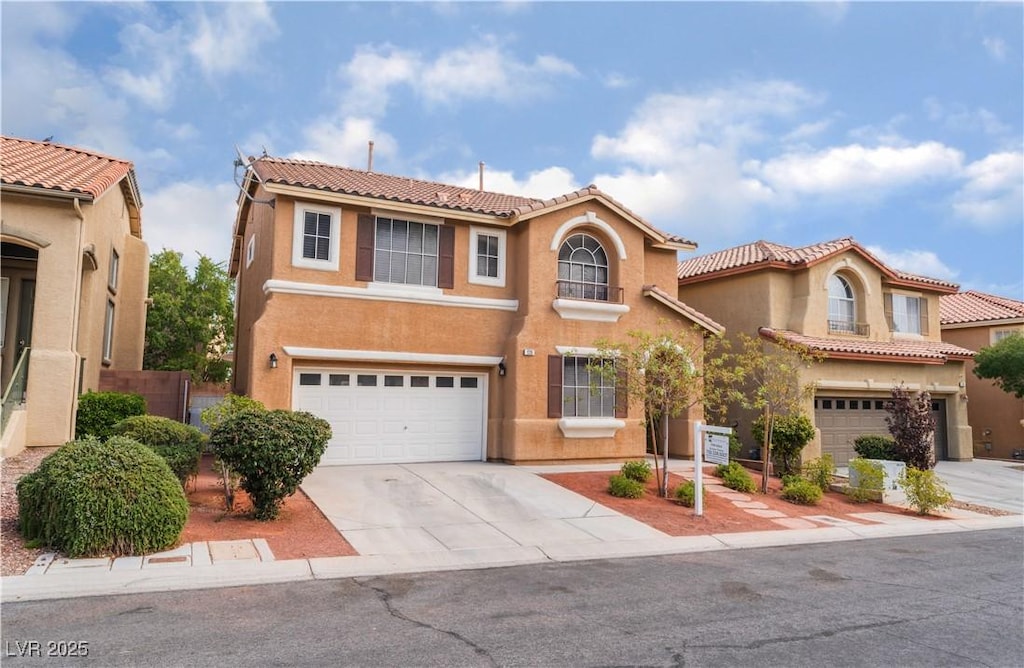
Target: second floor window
(405, 252)
(907, 314)
(842, 316)
(316, 236)
(115, 267)
(582, 269)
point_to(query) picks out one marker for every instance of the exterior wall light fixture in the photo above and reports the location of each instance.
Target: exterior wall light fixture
(273, 360)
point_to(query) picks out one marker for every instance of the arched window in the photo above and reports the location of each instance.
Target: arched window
(842, 316)
(582, 268)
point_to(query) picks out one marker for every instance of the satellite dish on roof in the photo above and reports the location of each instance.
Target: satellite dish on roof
(246, 165)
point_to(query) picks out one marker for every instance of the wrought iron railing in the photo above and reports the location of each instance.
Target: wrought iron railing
(14, 394)
(589, 292)
(847, 327)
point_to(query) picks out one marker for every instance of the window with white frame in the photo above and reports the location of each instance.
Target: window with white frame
(588, 387)
(108, 333)
(315, 240)
(842, 306)
(405, 252)
(906, 314)
(115, 267)
(1000, 334)
(583, 268)
(487, 256)
(250, 251)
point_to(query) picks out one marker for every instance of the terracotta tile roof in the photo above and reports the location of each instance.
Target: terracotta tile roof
(684, 309)
(932, 352)
(760, 254)
(321, 176)
(55, 167)
(973, 306)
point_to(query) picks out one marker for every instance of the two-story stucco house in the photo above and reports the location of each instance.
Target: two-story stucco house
(876, 327)
(74, 282)
(977, 320)
(429, 322)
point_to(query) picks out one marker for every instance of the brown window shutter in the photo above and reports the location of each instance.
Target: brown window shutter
(446, 257)
(621, 393)
(364, 248)
(554, 386)
(887, 300)
(924, 315)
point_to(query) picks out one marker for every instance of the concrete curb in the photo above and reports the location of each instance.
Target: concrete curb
(71, 584)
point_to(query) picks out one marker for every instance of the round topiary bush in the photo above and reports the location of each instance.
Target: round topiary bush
(92, 497)
(803, 492)
(272, 451)
(179, 444)
(638, 470)
(625, 488)
(873, 446)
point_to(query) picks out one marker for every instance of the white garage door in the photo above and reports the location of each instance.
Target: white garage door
(380, 417)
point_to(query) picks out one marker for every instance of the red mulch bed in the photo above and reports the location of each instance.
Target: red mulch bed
(299, 532)
(720, 515)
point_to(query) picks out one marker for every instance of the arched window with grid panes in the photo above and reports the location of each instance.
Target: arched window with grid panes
(582, 268)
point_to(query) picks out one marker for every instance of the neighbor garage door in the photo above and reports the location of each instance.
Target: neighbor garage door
(842, 419)
(382, 417)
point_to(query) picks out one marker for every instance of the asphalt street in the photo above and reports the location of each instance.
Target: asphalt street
(937, 600)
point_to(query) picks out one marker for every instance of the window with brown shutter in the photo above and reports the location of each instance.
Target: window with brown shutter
(924, 316)
(446, 257)
(887, 301)
(621, 396)
(554, 386)
(364, 248)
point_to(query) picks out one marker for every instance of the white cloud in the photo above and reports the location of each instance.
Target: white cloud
(995, 47)
(887, 133)
(542, 184)
(228, 40)
(833, 11)
(483, 71)
(806, 131)
(162, 52)
(207, 227)
(959, 117)
(344, 141)
(912, 261)
(994, 193)
(617, 80)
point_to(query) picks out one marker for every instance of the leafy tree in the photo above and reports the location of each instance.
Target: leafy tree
(912, 426)
(190, 325)
(790, 435)
(1003, 363)
(766, 377)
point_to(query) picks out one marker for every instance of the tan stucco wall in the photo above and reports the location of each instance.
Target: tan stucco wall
(518, 427)
(996, 417)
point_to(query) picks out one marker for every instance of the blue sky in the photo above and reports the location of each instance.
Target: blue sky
(899, 124)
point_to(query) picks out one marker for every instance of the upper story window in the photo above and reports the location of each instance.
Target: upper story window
(315, 241)
(115, 268)
(1000, 334)
(108, 333)
(907, 314)
(250, 251)
(487, 256)
(842, 306)
(405, 252)
(583, 269)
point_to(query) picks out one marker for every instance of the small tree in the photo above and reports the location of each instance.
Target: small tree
(912, 426)
(212, 417)
(791, 434)
(1004, 364)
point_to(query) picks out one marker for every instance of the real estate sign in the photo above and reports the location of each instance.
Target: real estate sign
(716, 448)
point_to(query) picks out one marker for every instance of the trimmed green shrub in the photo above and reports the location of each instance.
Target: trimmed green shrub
(735, 446)
(790, 435)
(213, 415)
(734, 476)
(876, 446)
(871, 480)
(803, 492)
(924, 490)
(686, 493)
(819, 471)
(94, 497)
(179, 444)
(98, 412)
(626, 488)
(272, 451)
(639, 470)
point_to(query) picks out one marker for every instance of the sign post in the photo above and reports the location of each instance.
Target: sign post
(714, 442)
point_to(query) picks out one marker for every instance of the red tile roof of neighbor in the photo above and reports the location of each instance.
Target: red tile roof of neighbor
(764, 254)
(55, 167)
(322, 176)
(972, 306)
(686, 310)
(927, 352)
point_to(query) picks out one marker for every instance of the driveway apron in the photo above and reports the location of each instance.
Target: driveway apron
(410, 508)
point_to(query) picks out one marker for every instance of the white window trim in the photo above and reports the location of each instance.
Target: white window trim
(109, 321)
(589, 218)
(114, 271)
(578, 309)
(907, 295)
(590, 427)
(388, 292)
(474, 233)
(995, 332)
(331, 264)
(250, 251)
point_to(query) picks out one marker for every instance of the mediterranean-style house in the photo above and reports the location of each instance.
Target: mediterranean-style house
(74, 283)
(977, 320)
(874, 326)
(430, 322)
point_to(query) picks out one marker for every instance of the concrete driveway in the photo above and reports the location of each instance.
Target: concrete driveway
(392, 509)
(987, 482)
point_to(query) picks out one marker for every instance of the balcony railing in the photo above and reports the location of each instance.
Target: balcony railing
(589, 292)
(850, 328)
(14, 395)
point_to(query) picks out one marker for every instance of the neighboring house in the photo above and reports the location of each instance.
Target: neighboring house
(429, 322)
(74, 282)
(875, 326)
(977, 320)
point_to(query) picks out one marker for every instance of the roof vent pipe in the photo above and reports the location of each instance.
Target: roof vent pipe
(369, 157)
(481, 175)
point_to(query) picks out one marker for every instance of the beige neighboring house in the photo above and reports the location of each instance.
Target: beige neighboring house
(977, 320)
(430, 322)
(875, 326)
(75, 276)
